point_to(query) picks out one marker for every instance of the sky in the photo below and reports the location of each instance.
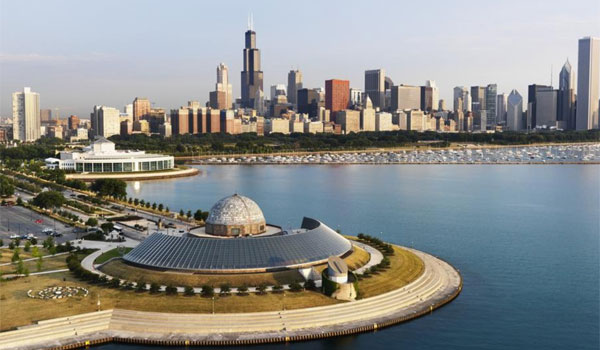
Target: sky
(78, 54)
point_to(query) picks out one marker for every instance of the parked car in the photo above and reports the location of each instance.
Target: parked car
(57, 234)
(47, 231)
(15, 237)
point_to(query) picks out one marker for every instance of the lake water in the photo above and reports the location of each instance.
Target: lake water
(525, 238)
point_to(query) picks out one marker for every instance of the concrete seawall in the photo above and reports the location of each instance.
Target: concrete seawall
(439, 284)
(159, 175)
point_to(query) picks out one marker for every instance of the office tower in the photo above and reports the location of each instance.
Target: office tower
(252, 76)
(546, 108)
(462, 93)
(375, 87)
(277, 90)
(141, 108)
(566, 96)
(294, 84)
(441, 105)
(222, 97)
(587, 83)
(491, 91)
(45, 115)
(128, 109)
(514, 111)
(105, 121)
(435, 94)
(426, 98)
(73, 122)
(406, 97)
(356, 97)
(367, 116)
(478, 96)
(501, 108)
(309, 102)
(26, 115)
(533, 89)
(349, 120)
(337, 95)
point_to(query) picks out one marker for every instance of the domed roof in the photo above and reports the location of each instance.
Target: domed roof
(235, 210)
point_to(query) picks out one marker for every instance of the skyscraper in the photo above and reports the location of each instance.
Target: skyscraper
(105, 121)
(337, 95)
(26, 115)
(566, 96)
(435, 94)
(294, 84)
(532, 104)
(514, 111)
(141, 108)
(45, 115)
(490, 104)
(465, 99)
(252, 76)
(222, 97)
(587, 83)
(375, 87)
(406, 97)
(501, 108)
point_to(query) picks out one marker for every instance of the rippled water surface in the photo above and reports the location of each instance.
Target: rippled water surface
(525, 238)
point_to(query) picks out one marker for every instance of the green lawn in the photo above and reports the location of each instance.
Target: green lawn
(113, 253)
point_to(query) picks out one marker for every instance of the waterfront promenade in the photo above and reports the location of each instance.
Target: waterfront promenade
(438, 284)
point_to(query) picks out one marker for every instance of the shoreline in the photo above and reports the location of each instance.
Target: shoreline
(424, 146)
(437, 286)
(135, 176)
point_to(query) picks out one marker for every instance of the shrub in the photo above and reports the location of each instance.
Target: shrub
(27, 246)
(242, 290)
(225, 289)
(140, 286)
(171, 290)
(207, 291)
(295, 287)
(154, 287)
(261, 289)
(277, 288)
(115, 283)
(189, 291)
(310, 285)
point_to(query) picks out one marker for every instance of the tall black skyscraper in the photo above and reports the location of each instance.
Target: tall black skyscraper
(252, 76)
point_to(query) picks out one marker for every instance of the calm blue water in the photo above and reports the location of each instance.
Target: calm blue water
(525, 238)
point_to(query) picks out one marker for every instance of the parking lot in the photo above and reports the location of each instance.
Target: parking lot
(21, 221)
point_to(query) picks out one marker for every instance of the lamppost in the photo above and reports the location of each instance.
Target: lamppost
(284, 300)
(213, 305)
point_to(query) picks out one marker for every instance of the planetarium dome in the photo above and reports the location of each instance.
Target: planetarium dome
(235, 216)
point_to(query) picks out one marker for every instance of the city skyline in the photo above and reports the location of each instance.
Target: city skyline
(87, 67)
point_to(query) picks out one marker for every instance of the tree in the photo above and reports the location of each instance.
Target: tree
(310, 285)
(38, 263)
(189, 291)
(52, 250)
(15, 256)
(160, 207)
(11, 245)
(171, 290)
(136, 202)
(225, 289)
(110, 187)
(181, 212)
(261, 289)
(207, 290)
(1, 243)
(49, 199)
(6, 187)
(189, 214)
(107, 227)
(153, 206)
(33, 241)
(140, 286)
(130, 200)
(154, 287)
(198, 215)
(277, 288)
(92, 222)
(19, 201)
(295, 287)
(27, 246)
(20, 267)
(242, 290)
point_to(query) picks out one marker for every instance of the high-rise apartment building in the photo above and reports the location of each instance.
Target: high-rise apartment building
(105, 121)
(514, 111)
(337, 95)
(588, 83)
(252, 76)
(73, 122)
(375, 87)
(141, 108)
(26, 115)
(406, 97)
(294, 84)
(566, 96)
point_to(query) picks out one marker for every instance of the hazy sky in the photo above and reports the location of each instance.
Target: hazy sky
(80, 53)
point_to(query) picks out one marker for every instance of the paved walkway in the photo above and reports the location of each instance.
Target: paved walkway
(30, 259)
(439, 283)
(375, 257)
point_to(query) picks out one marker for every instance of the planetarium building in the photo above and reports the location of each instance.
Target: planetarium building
(237, 239)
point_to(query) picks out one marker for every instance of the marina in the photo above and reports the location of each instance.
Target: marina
(551, 154)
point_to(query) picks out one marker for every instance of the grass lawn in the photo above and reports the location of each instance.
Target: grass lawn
(405, 267)
(117, 268)
(13, 296)
(48, 264)
(6, 254)
(113, 253)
